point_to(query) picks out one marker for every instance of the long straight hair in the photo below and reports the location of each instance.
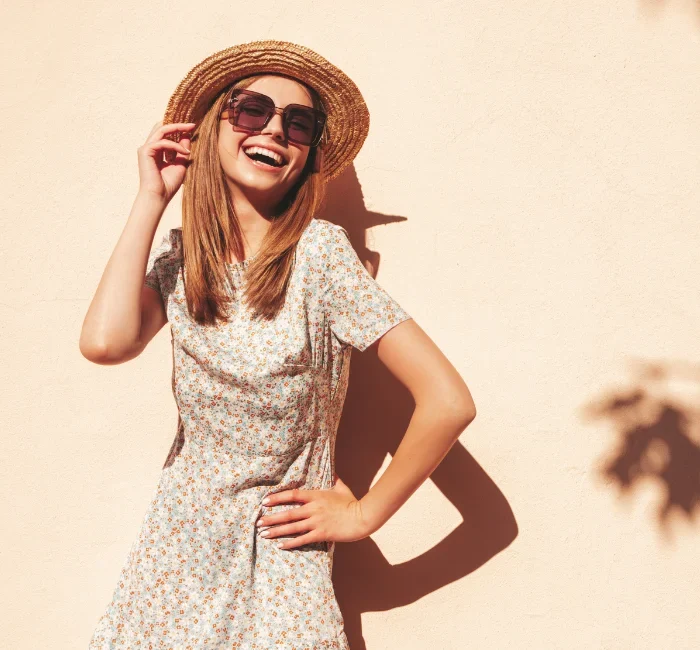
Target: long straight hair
(211, 230)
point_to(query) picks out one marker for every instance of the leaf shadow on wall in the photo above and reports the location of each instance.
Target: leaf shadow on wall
(376, 414)
(658, 437)
(655, 9)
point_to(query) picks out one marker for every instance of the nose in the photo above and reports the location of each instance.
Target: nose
(275, 127)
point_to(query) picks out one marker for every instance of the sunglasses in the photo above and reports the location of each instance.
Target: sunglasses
(251, 111)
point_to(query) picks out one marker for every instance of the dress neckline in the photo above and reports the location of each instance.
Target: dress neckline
(243, 263)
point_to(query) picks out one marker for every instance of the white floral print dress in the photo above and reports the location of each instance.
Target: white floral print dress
(259, 404)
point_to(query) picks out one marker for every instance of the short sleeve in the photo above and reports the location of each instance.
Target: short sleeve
(164, 262)
(358, 309)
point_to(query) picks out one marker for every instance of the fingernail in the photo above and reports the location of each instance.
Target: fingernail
(264, 533)
(266, 500)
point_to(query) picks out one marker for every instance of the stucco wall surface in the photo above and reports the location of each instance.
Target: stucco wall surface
(530, 184)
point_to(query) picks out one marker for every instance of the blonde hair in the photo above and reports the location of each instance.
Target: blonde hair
(211, 230)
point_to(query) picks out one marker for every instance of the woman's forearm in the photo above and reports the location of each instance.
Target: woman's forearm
(112, 324)
(433, 429)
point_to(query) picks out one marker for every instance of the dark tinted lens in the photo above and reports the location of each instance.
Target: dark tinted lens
(301, 125)
(250, 112)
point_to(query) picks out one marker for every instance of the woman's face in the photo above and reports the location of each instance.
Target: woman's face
(258, 182)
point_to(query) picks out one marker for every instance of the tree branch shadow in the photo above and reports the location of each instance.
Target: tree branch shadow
(657, 438)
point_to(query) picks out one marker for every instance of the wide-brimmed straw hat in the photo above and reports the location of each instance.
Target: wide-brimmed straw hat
(347, 123)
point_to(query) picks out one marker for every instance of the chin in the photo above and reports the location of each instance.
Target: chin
(251, 184)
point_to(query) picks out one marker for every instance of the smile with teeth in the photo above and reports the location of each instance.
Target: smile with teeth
(265, 156)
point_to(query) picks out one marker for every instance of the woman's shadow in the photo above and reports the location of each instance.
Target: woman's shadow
(376, 414)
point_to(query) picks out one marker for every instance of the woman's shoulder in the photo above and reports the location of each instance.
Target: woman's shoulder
(317, 241)
(164, 261)
(175, 236)
(319, 226)
(171, 244)
(320, 233)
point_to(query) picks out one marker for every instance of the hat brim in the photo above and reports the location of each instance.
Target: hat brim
(348, 117)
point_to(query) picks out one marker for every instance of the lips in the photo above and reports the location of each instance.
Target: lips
(266, 154)
(263, 166)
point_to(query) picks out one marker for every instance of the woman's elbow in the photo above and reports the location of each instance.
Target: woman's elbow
(92, 351)
(461, 407)
(106, 355)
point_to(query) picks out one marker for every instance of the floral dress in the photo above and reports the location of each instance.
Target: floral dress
(259, 404)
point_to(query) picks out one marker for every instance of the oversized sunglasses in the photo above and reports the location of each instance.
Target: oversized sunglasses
(251, 111)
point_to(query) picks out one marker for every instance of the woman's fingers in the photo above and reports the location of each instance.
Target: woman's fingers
(303, 526)
(162, 161)
(301, 540)
(167, 144)
(160, 129)
(291, 514)
(164, 150)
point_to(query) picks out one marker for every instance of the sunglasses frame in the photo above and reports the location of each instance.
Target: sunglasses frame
(318, 116)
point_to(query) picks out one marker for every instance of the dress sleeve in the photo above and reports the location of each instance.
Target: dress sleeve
(164, 262)
(358, 309)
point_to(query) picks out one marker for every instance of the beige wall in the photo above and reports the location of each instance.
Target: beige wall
(536, 167)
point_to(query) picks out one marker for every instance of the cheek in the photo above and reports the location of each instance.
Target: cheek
(228, 144)
(297, 167)
(301, 160)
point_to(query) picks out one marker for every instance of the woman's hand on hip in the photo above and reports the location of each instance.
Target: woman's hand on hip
(333, 515)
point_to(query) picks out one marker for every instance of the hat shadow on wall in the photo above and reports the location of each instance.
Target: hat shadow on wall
(376, 414)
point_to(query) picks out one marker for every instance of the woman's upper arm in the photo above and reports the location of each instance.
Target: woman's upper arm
(419, 364)
(162, 271)
(153, 315)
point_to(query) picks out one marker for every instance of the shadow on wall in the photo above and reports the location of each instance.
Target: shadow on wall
(657, 427)
(377, 412)
(654, 8)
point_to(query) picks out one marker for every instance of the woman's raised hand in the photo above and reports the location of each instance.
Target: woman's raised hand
(162, 162)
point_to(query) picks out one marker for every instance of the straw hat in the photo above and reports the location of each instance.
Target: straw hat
(348, 118)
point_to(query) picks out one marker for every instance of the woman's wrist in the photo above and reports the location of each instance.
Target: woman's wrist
(149, 202)
(371, 516)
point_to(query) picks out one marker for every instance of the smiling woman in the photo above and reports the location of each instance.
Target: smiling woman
(260, 205)
(271, 119)
(265, 301)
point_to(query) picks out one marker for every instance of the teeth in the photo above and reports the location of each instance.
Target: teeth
(275, 156)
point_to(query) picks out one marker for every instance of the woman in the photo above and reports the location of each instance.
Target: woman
(265, 303)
